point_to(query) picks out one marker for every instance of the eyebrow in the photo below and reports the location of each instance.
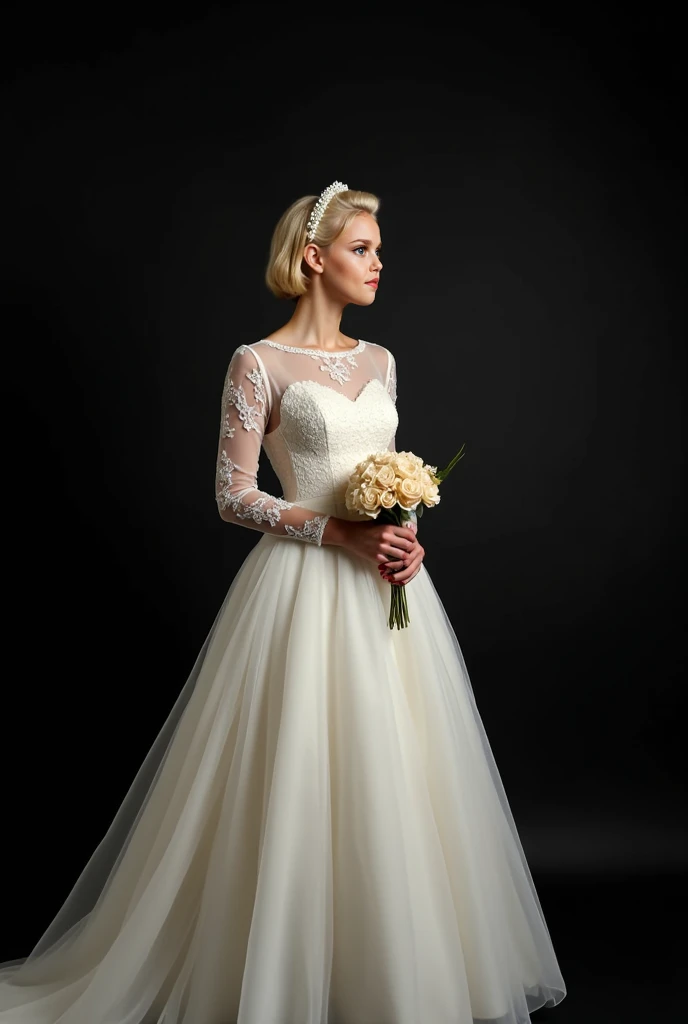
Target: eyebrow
(366, 241)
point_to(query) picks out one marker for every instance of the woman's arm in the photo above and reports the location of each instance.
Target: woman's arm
(244, 416)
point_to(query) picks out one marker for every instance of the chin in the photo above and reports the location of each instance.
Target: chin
(362, 300)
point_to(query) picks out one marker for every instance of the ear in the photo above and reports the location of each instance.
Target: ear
(312, 258)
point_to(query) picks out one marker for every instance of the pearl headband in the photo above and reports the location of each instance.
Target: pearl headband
(321, 206)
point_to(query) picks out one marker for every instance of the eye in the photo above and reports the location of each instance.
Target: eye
(360, 249)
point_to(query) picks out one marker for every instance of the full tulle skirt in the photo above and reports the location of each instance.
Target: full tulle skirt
(319, 834)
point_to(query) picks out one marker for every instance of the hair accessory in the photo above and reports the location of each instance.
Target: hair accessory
(321, 205)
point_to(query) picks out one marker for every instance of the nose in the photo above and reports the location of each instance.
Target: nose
(376, 264)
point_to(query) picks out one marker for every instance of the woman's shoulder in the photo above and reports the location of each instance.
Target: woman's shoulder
(250, 348)
(384, 352)
(245, 357)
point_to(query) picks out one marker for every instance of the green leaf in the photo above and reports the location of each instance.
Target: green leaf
(442, 473)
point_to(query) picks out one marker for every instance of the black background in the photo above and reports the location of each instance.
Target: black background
(533, 225)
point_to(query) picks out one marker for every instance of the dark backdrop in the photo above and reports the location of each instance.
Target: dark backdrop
(532, 220)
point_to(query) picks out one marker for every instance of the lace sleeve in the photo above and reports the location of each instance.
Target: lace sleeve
(241, 435)
(392, 389)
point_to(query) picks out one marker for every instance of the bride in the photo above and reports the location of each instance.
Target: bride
(319, 834)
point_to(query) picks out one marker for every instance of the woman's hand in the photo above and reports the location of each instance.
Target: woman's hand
(395, 549)
(401, 570)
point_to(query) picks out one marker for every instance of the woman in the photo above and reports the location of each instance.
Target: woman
(319, 834)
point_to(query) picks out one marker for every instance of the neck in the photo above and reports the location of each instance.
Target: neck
(316, 322)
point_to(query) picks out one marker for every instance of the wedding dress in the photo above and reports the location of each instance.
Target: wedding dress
(319, 834)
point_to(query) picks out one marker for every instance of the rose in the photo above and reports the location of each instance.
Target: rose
(368, 472)
(353, 498)
(385, 458)
(370, 498)
(430, 494)
(414, 459)
(405, 466)
(430, 488)
(386, 476)
(388, 499)
(410, 492)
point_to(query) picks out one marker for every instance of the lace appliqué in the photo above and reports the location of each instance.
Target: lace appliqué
(312, 530)
(232, 395)
(256, 510)
(334, 363)
(336, 366)
(392, 382)
(256, 378)
(225, 468)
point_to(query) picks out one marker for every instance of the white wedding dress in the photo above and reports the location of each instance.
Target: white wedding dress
(319, 834)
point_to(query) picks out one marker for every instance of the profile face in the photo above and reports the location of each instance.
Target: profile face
(352, 264)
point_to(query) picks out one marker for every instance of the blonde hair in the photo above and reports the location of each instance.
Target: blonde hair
(285, 275)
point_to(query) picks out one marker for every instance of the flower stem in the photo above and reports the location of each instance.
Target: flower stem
(398, 606)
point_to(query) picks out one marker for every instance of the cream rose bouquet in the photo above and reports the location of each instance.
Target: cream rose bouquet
(395, 486)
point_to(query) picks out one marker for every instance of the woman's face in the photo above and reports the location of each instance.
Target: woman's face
(351, 264)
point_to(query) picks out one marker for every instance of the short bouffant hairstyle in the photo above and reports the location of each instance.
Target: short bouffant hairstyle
(285, 276)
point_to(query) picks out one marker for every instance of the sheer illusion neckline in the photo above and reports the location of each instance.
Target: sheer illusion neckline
(321, 351)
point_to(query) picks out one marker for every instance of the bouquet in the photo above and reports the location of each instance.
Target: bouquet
(395, 486)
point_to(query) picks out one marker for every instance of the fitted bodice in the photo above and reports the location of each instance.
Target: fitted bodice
(322, 435)
(316, 414)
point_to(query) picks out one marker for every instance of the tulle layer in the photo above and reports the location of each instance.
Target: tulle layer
(318, 836)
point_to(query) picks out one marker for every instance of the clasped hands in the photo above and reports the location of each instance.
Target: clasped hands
(405, 553)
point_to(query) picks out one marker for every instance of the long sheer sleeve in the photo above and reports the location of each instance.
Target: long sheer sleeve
(392, 389)
(241, 435)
